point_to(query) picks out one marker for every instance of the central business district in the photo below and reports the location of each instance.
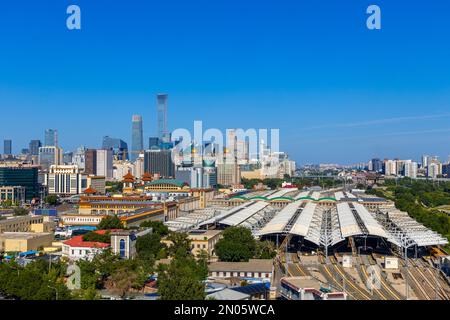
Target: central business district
(331, 244)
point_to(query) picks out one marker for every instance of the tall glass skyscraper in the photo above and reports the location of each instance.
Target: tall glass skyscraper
(34, 147)
(7, 147)
(163, 134)
(51, 138)
(137, 138)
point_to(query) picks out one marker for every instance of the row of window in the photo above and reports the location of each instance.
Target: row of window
(241, 274)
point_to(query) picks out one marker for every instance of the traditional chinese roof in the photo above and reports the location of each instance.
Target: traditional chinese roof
(146, 176)
(174, 182)
(90, 191)
(128, 177)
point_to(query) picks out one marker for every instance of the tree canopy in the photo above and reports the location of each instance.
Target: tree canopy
(110, 222)
(236, 245)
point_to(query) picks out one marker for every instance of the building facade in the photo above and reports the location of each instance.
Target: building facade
(65, 180)
(137, 137)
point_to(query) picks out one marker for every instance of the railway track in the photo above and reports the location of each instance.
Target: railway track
(358, 293)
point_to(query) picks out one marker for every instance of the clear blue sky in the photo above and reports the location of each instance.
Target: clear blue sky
(337, 91)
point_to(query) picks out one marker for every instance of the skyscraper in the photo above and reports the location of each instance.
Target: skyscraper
(51, 138)
(105, 163)
(137, 137)
(159, 161)
(118, 146)
(49, 156)
(34, 147)
(163, 134)
(7, 147)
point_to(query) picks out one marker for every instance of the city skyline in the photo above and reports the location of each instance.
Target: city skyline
(381, 94)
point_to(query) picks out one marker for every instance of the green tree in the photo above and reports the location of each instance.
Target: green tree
(236, 245)
(181, 245)
(149, 247)
(51, 200)
(96, 237)
(265, 250)
(183, 278)
(110, 222)
(7, 203)
(157, 226)
(19, 211)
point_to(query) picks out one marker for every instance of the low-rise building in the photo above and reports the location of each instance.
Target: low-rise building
(24, 241)
(19, 224)
(204, 240)
(307, 288)
(76, 248)
(14, 194)
(254, 269)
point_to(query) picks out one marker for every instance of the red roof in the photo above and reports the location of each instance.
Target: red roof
(77, 241)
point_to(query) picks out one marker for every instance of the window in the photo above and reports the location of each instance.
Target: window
(122, 248)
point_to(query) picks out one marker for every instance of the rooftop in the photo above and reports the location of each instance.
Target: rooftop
(253, 265)
(23, 235)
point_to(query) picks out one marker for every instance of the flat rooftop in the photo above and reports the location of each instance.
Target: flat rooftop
(253, 265)
(302, 282)
(23, 235)
(201, 234)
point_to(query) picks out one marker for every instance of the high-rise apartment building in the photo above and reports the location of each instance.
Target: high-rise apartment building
(161, 102)
(34, 147)
(434, 169)
(377, 165)
(51, 138)
(79, 158)
(160, 162)
(7, 147)
(410, 169)
(137, 137)
(390, 167)
(105, 164)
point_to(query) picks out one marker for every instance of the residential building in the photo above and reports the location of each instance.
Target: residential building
(228, 174)
(377, 165)
(411, 168)
(137, 138)
(123, 242)
(104, 164)
(204, 240)
(434, 170)
(390, 168)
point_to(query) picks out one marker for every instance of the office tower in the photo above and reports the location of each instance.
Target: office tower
(7, 147)
(25, 151)
(65, 180)
(119, 147)
(26, 177)
(90, 166)
(51, 138)
(159, 161)
(377, 165)
(34, 147)
(105, 163)
(163, 133)
(228, 174)
(411, 169)
(79, 158)
(153, 143)
(137, 138)
(49, 155)
(67, 158)
(446, 170)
